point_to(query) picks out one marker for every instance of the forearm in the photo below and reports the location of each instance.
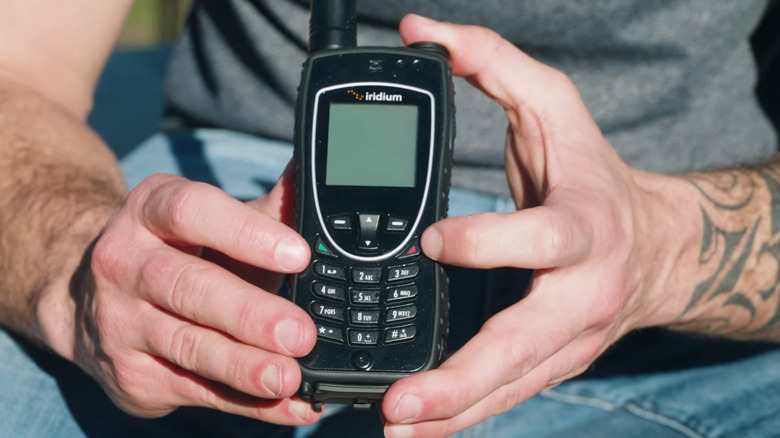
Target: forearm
(58, 185)
(723, 229)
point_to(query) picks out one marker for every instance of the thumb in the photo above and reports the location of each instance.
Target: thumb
(279, 202)
(497, 67)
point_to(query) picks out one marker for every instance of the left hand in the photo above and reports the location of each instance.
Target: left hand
(589, 225)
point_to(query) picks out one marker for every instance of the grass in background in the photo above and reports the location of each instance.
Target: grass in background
(153, 22)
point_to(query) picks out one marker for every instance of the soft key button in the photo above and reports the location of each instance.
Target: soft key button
(396, 225)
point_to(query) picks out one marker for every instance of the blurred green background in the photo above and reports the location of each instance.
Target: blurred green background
(154, 21)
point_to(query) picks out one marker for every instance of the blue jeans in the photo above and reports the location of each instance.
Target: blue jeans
(652, 384)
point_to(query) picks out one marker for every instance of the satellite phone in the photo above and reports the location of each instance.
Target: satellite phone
(374, 131)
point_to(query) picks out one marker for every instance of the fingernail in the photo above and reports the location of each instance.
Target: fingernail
(399, 431)
(408, 409)
(422, 18)
(301, 410)
(432, 243)
(289, 334)
(271, 379)
(290, 254)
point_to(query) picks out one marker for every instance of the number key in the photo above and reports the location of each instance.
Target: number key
(406, 272)
(366, 276)
(327, 311)
(330, 271)
(364, 296)
(400, 314)
(362, 337)
(364, 316)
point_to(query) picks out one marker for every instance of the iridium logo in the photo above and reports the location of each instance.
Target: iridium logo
(354, 93)
(377, 97)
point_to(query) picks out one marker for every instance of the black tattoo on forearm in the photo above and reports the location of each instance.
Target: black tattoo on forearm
(732, 250)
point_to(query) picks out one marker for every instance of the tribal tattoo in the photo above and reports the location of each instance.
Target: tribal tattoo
(740, 252)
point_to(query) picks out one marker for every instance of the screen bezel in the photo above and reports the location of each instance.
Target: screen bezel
(393, 201)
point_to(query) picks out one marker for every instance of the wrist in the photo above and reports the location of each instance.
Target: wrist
(59, 301)
(669, 233)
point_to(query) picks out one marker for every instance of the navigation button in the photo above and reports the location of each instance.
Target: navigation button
(367, 238)
(368, 245)
(368, 223)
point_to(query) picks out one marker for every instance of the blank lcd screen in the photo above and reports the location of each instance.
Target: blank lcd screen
(372, 145)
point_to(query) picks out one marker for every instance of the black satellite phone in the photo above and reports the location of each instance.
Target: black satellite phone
(374, 131)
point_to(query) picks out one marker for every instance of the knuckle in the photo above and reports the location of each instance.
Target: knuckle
(250, 235)
(506, 400)
(562, 80)
(147, 191)
(562, 89)
(249, 322)
(471, 245)
(187, 289)
(516, 358)
(610, 306)
(177, 287)
(556, 241)
(132, 390)
(178, 213)
(184, 348)
(235, 371)
(154, 269)
(109, 257)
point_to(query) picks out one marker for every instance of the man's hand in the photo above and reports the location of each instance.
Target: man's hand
(159, 325)
(583, 212)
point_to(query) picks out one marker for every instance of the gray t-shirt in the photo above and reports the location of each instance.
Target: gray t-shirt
(671, 83)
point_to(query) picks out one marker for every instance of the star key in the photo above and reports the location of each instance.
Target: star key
(330, 333)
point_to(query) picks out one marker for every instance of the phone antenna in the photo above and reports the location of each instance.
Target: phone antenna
(333, 25)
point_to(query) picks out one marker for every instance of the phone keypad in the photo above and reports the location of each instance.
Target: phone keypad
(369, 315)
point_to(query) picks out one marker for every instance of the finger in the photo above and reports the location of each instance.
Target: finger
(219, 358)
(279, 202)
(188, 389)
(534, 238)
(200, 214)
(499, 401)
(509, 346)
(494, 65)
(211, 296)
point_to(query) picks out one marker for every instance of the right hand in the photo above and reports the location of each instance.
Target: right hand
(160, 326)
